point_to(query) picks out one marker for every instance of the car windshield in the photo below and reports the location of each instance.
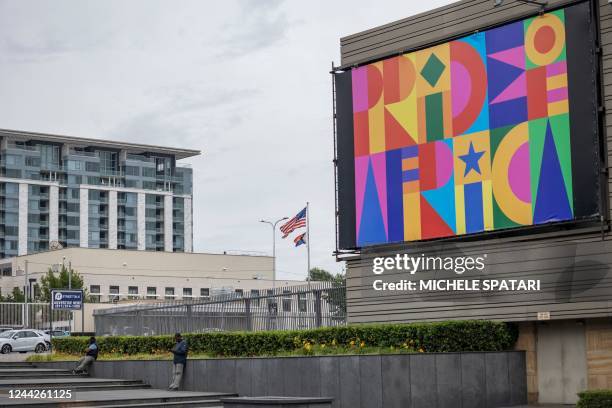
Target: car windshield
(7, 334)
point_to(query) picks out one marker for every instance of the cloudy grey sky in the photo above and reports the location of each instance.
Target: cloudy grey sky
(245, 81)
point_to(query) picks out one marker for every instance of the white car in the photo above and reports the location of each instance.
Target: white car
(22, 341)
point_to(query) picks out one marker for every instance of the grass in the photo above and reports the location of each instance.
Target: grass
(306, 350)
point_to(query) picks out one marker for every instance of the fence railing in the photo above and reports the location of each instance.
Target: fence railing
(32, 316)
(283, 308)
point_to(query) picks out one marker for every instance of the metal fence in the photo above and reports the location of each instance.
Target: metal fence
(284, 308)
(32, 316)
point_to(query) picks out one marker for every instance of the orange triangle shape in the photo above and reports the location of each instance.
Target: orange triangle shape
(432, 225)
(395, 135)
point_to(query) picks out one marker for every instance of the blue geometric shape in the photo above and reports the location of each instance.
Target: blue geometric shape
(471, 160)
(410, 151)
(395, 202)
(505, 37)
(500, 76)
(479, 43)
(474, 219)
(551, 201)
(372, 227)
(443, 201)
(410, 175)
(508, 113)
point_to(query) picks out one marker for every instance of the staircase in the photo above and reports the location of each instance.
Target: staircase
(93, 392)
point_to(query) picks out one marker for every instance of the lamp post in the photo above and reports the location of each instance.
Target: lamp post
(273, 225)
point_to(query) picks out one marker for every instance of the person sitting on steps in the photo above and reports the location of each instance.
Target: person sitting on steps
(91, 355)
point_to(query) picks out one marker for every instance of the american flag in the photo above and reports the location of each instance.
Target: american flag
(300, 239)
(296, 222)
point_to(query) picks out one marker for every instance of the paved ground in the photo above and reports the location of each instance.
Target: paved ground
(15, 357)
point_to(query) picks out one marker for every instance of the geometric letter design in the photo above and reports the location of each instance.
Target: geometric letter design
(467, 136)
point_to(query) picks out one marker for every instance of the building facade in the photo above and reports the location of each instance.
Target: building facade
(565, 328)
(127, 275)
(60, 191)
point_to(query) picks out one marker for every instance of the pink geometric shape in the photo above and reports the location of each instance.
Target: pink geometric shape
(380, 177)
(361, 175)
(513, 56)
(515, 90)
(360, 89)
(518, 173)
(556, 69)
(461, 87)
(444, 163)
(559, 94)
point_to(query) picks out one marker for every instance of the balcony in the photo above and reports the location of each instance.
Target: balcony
(81, 153)
(26, 148)
(136, 157)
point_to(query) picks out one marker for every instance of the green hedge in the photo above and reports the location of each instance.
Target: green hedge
(425, 337)
(595, 399)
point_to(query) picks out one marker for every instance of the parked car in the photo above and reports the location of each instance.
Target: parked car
(23, 341)
(58, 333)
(3, 329)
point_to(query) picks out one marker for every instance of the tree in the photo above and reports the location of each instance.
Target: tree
(16, 296)
(58, 281)
(320, 274)
(336, 295)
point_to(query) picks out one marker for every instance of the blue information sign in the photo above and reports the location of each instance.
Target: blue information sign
(66, 299)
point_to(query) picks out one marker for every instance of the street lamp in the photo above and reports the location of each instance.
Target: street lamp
(273, 225)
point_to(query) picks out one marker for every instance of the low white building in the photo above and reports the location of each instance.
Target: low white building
(128, 275)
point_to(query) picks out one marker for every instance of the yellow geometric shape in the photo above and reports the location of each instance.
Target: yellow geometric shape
(514, 208)
(412, 216)
(556, 82)
(442, 53)
(460, 209)
(410, 163)
(551, 55)
(376, 123)
(558, 108)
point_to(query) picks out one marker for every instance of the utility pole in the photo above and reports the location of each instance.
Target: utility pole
(273, 225)
(25, 292)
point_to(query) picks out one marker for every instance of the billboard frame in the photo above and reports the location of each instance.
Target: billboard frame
(590, 224)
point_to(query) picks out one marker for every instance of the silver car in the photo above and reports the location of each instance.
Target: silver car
(22, 341)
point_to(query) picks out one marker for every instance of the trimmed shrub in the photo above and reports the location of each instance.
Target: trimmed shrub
(595, 399)
(477, 335)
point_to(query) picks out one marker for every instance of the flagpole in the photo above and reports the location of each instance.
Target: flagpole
(308, 241)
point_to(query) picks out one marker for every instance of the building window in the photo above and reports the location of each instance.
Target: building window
(187, 293)
(169, 294)
(132, 292)
(239, 293)
(204, 293)
(286, 300)
(94, 293)
(302, 306)
(255, 297)
(113, 293)
(7, 270)
(151, 292)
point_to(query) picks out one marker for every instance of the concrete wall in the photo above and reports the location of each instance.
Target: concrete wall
(436, 380)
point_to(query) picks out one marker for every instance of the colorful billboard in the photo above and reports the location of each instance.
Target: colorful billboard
(472, 135)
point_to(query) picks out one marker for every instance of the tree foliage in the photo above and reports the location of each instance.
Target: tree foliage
(58, 281)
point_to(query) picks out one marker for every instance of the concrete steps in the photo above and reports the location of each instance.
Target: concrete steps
(93, 392)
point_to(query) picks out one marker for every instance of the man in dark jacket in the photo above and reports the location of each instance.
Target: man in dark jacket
(180, 359)
(91, 355)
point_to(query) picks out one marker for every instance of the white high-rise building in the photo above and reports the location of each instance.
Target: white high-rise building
(61, 191)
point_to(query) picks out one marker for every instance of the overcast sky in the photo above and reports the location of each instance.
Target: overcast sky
(244, 81)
